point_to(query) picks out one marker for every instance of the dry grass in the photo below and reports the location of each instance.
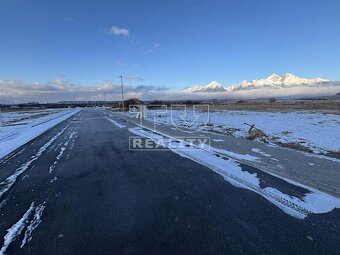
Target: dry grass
(333, 154)
(36, 116)
(295, 146)
(326, 106)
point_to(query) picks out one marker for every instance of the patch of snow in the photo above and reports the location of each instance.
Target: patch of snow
(33, 224)
(260, 152)
(18, 117)
(115, 123)
(62, 149)
(12, 137)
(15, 230)
(322, 157)
(313, 202)
(9, 181)
(54, 179)
(142, 132)
(315, 130)
(218, 140)
(235, 155)
(72, 137)
(51, 168)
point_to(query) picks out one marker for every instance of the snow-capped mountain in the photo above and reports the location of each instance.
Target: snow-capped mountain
(273, 81)
(211, 87)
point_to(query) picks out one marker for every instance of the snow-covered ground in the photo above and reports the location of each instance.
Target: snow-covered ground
(20, 128)
(314, 130)
(17, 117)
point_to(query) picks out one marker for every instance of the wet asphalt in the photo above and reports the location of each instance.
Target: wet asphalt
(101, 198)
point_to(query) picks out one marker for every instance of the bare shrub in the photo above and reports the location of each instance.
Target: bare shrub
(257, 134)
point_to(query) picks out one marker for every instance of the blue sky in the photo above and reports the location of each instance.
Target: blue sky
(169, 43)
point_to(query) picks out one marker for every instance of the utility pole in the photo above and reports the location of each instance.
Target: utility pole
(121, 82)
(1, 121)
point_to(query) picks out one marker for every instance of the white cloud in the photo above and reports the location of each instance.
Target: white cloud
(287, 92)
(16, 91)
(299, 91)
(119, 31)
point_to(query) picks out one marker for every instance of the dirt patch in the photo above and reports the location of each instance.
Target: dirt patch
(295, 146)
(333, 154)
(230, 131)
(275, 138)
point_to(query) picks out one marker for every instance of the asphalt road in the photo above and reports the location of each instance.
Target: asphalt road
(97, 197)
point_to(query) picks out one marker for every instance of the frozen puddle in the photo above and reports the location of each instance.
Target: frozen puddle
(31, 219)
(115, 123)
(312, 202)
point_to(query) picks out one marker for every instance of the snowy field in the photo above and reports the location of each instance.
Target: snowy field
(21, 127)
(314, 130)
(17, 117)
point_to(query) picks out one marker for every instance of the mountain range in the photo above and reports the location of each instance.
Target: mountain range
(275, 81)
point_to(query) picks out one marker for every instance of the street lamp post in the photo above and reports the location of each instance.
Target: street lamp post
(121, 82)
(1, 121)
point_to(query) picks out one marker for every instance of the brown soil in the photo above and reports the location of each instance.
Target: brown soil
(333, 154)
(295, 146)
